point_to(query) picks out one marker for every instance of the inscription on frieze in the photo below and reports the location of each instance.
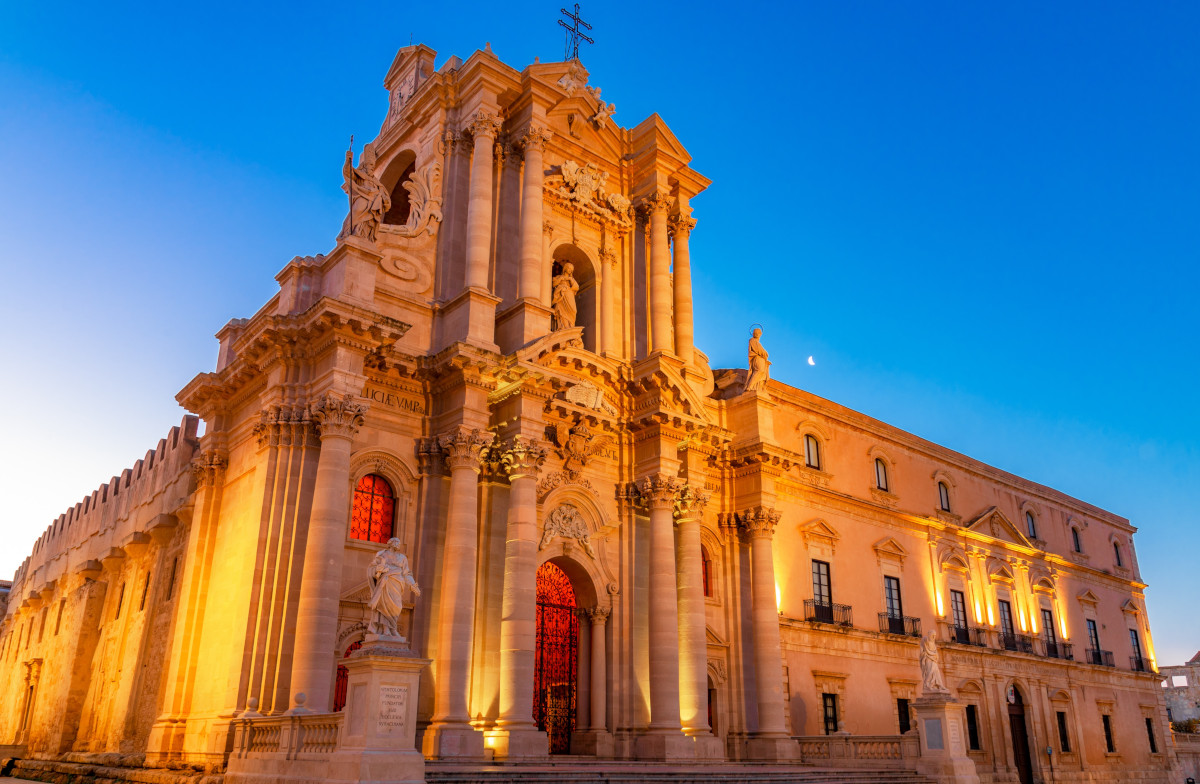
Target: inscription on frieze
(393, 702)
(392, 400)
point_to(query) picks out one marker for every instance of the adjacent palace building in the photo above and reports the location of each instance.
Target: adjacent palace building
(622, 552)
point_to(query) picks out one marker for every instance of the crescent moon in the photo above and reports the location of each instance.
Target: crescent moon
(810, 361)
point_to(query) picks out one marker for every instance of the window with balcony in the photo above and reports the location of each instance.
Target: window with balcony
(1136, 662)
(893, 620)
(822, 591)
(958, 612)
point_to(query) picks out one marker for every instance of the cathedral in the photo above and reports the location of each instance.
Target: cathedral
(474, 449)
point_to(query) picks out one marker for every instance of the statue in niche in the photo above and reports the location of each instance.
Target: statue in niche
(562, 301)
(369, 200)
(759, 364)
(931, 667)
(389, 577)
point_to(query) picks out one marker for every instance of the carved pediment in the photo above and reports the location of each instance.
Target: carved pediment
(1087, 597)
(889, 549)
(993, 523)
(359, 594)
(821, 532)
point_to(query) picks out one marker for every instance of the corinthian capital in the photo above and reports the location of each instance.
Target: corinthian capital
(208, 468)
(337, 417)
(659, 491)
(690, 503)
(463, 448)
(484, 124)
(655, 204)
(597, 615)
(534, 139)
(759, 522)
(522, 457)
(680, 225)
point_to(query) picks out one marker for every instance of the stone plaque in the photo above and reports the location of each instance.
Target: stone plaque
(933, 734)
(393, 704)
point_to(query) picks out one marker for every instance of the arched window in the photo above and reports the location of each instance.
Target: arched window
(812, 452)
(706, 570)
(1117, 553)
(944, 496)
(1030, 525)
(881, 477)
(374, 507)
(343, 676)
(397, 215)
(1075, 543)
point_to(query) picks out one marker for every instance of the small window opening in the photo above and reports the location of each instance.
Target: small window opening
(944, 496)
(881, 476)
(812, 452)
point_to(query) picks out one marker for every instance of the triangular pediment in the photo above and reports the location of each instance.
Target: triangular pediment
(359, 594)
(1130, 607)
(1087, 597)
(993, 523)
(819, 529)
(889, 548)
(711, 637)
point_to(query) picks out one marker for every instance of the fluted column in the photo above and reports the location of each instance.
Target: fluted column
(518, 612)
(659, 493)
(608, 268)
(656, 207)
(337, 420)
(450, 733)
(531, 215)
(759, 526)
(547, 264)
(479, 207)
(684, 328)
(693, 642)
(599, 713)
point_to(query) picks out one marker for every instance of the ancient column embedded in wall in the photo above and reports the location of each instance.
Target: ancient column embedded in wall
(684, 328)
(337, 419)
(771, 741)
(516, 734)
(479, 208)
(656, 207)
(530, 286)
(599, 667)
(450, 734)
(693, 644)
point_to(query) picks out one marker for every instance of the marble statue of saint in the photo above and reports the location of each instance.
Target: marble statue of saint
(369, 200)
(759, 364)
(389, 576)
(931, 668)
(562, 301)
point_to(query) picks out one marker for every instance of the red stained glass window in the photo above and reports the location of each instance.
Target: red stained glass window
(374, 507)
(343, 676)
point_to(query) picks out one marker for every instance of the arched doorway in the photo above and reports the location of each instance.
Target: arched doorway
(1020, 735)
(556, 657)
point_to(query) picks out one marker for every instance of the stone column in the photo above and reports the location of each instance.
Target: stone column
(664, 739)
(608, 268)
(599, 670)
(479, 207)
(656, 207)
(547, 264)
(516, 735)
(684, 327)
(693, 640)
(531, 216)
(337, 420)
(450, 734)
(771, 741)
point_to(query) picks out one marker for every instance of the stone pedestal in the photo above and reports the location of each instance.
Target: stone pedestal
(378, 739)
(470, 318)
(597, 743)
(665, 746)
(772, 749)
(941, 723)
(708, 746)
(521, 324)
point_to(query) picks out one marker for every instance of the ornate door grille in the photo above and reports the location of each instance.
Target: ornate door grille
(556, 657)
(343, 678)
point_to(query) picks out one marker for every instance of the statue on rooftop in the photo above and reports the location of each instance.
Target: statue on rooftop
(756, 381)
(562, 301)
(389, 575)
(369, 200)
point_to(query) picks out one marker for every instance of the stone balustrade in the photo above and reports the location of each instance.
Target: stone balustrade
(859, 751)
(311, 736)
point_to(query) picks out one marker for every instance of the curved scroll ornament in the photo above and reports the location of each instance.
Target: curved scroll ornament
(425, 199)
(565, 521)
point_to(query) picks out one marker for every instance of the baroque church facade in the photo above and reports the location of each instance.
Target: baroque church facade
(621, 551)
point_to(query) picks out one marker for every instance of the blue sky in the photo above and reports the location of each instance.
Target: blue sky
(981, 220)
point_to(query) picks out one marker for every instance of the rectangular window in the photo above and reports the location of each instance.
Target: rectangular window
(1075, 543)
(891, 587)
(829, 706)
(1093, 635)
(1006, 619)
(1117, 552)
(1064, 741)
(902, 712)
(1048, 627)
(973, 728)
(822, 589)
(1150, 735)
(812, 452)
(1109, 746)
(958, 608)
(1134, 643)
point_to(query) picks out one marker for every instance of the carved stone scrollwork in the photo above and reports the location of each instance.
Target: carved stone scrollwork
(535, 139)
(659, 491)
(464, 448)
(759, 522)
(484, 124)
(565, 521)
(690, 503)
(425, 199)
(522, 457)
(209, 468)
(657, 202)
(338, 417)
(719, 671)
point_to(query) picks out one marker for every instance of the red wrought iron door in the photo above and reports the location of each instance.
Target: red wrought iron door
(556, 657)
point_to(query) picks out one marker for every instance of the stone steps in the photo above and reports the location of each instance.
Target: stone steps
(625, 772)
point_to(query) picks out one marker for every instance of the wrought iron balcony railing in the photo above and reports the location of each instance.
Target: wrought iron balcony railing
(828, 612)
(1103, 658)
(1058, 650)
(899, 624)
(968, 635)
(1138, 664)
(1021, 643)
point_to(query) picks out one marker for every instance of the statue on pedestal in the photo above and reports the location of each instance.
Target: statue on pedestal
(562, 300)
(389, 576)
(369, 200)
(759, 364)
(931, 667)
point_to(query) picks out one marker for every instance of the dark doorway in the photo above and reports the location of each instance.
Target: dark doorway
(556, 657)
(1020, 735)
